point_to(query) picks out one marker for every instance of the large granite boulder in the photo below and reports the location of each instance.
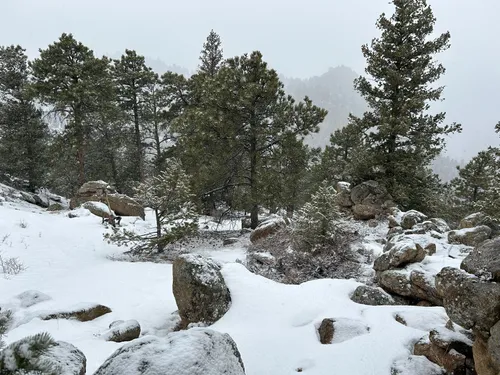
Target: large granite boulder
(194, 352)
(415, 285)
(344, 194)
(369, 199)
(470, 236)
(484, 260)
(401, 254)
(411, 218)
(469, 301)
(373, 296)
(199, 289)
(267, 228)
(479, 218)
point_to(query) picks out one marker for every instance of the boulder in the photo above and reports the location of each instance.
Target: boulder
(68, 358)
(470, 236)
(393, 223)
(27, 197)
(42, 200)
(98, 208)
(484, 260)
(483, 361)
(430, 248)
(411, 218)
(81, 313)
(423, 287)
(416, 285)
(451, 360)
(31, 298)
(370, 193)
(368, 295)
(326, 331)
(365, 211)
(494, 345)
(62, 357)
(468, 301)
(194, 352)
(344, 194)
(267, 228)
(447, 339)
(199, 289)
(120, 331)
(123, 205)
(474, 220)
(401, 254)
(440, 225)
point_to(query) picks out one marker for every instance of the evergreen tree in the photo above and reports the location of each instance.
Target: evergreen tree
(402, 137)
(168, 194)
(316, 224)
(68, 77)
(245, 117)
(211, 54)
(132, 78)
(23, 133)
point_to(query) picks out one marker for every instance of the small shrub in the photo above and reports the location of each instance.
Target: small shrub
(11, 266)
(23, 224)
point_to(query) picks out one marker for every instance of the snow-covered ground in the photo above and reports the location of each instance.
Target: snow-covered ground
(274, 325)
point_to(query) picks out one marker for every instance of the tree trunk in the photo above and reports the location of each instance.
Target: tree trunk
(254, 212)
(138, 142)
(289, 210)
(80, 146)
(158, 231)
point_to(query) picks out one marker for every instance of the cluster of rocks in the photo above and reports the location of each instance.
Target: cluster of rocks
(367, 200)
(471, 297)
(100, 191)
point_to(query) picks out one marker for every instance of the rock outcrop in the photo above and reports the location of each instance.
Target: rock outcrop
(81, 313)
(195, 352)
(470, 236)
(484, 260)
(199, 289)
(100, 191)
(401, 254)
(267, 228)
(369, 199)
(411, 218)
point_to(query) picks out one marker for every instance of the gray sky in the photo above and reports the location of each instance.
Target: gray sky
(298, 38)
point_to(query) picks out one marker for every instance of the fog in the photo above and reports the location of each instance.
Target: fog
(297, 38)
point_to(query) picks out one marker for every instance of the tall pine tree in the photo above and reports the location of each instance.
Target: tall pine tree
(211, 54)
(69, 78)
(403, 137)
(23, 133)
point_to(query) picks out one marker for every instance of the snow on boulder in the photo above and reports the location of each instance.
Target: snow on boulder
(98, 208)
(123, 205)
(67, 357)
(267, 228)
(344, 194)
(199, 289)
(469, 301)
(120, 331)
(334, 331)
(193, 352)
(484, 260)
(416, 365)
(31, 297)
(365, 211)
(411, 218)
(373, 296)
(470, 236)
(83, 313)
(401, 254)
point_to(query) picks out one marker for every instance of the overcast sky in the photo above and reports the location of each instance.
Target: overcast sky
(298, 38)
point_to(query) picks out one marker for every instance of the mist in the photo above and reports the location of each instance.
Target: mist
(298, 39)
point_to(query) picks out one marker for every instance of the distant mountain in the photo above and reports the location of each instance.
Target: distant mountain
(333, 91)
(160, 67)
(446, 167)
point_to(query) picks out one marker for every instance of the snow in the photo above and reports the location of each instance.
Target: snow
(274, 325)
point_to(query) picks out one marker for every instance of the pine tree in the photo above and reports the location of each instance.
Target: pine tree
(168, 194)
(132, 78)
(245, 117)
(402, 137)
(316, 224)
(23, 133)
(68, 77)
(211, 54)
